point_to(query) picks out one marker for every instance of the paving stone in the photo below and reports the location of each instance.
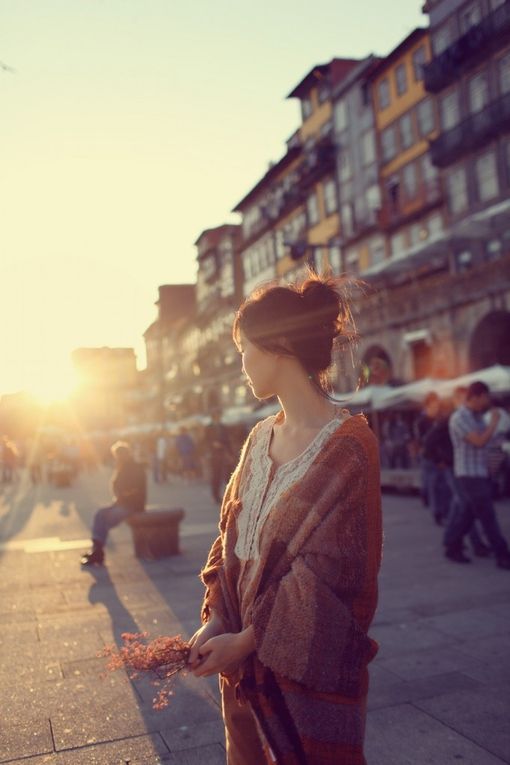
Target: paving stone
(190, 737)
(418, 664)
(474, 623)
(404, 735)
(484, 718)
(26, 738)
(140, 750)
(213, 754)
(389, 693)
(395, 639)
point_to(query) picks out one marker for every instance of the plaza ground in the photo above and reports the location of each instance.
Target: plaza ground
(440, 685)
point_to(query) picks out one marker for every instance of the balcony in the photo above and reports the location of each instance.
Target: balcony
(317, 162)
(472, 133)
(491, 34)
(401, 208)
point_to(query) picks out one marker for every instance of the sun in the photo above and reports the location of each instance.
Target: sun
(54, 386)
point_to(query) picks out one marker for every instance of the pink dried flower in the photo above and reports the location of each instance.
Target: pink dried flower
(162, 658)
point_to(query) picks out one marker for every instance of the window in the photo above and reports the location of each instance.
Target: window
(496, 3)
(442, 39)
(504, 74)
(410, 180)
(377, 250)
(450, 110)
(478, 92)
(470, 17)
(326, 129)
(388, 143)
(373, 197)
(457, 191)
(487, 176)
(406, 131)
(401, 79)
(398, 243)
(312, 207)
(352, 260)
(341, 115)
(347, 220)
(419, 60)
(368, 147)
(384, 94)
(429, 171)
(464, 260)
(323, 94)
(330, 201)
(425, 112)
(435, 224)
(335, 259)
(345, 166)
(306, 108)
(418, 233)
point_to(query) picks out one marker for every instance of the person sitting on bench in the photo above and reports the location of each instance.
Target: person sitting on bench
(129, 488)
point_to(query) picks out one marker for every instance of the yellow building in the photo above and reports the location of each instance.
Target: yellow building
(406, 120)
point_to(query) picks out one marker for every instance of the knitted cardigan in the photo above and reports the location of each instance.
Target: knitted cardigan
(316, 597)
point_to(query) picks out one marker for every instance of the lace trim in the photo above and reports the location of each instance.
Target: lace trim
(262, 484)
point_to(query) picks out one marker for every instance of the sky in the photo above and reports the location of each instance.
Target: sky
(128, 127)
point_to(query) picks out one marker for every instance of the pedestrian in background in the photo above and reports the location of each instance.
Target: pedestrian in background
(471, 437)
(187, 451)
(219, 454)
(291, 582)
(129, 489)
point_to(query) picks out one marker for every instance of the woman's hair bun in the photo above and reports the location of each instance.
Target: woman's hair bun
(323, 303)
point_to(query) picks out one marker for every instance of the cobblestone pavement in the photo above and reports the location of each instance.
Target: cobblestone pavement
(440, 686)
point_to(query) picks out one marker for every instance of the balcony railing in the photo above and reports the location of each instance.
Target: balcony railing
(491, 34)
(406, 207)
(472, 133)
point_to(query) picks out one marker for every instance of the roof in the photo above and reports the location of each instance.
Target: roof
(362, 71)
(335, 70)
(215, 235)
(413, 37)
(273, 171)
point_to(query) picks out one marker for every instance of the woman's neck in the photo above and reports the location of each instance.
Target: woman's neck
(303, 406)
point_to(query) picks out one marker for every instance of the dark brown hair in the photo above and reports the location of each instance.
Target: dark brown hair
(303, 320)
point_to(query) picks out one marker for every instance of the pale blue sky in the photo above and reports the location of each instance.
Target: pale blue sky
(128, 127)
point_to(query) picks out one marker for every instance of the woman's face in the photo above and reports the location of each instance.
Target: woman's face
(259, 367)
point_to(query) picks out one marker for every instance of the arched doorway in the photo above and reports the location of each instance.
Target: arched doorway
(490, 341)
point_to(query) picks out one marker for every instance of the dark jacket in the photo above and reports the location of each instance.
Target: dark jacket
(129, 486)
(437, 444)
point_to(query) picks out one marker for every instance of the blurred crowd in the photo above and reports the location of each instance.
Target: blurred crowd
(417, 438)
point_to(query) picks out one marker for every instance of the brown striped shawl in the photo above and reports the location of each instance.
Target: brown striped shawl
(307, 681)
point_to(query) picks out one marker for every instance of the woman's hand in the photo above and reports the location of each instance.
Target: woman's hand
(224, 653)
(210, 629)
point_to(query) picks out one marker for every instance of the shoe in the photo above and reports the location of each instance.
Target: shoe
(94, 557)
(481, 551)
(457, 556)
(504, 562)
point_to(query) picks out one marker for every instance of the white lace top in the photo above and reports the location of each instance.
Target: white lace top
(263, 483)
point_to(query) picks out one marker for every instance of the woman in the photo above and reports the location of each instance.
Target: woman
(291, 582)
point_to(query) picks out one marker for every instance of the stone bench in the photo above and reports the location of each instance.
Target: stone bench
(156, 532)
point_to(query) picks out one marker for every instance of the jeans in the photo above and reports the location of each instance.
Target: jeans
(105, 519)
(474, 501)
(438, 487)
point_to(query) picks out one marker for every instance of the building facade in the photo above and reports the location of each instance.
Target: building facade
(219, 293)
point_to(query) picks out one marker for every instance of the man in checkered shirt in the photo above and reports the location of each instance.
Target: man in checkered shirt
(470, 438)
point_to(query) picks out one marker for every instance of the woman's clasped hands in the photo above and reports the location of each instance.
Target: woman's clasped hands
(213, 650)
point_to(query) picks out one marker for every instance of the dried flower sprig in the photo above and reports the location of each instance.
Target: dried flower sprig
(162, 658)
